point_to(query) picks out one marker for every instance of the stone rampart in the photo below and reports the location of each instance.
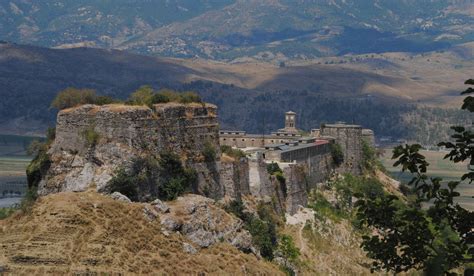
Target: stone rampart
(349, 137)
(123, 133)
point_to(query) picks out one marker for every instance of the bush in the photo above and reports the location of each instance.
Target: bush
(324, 209)
(190, 97)
(273, 168)
(369, 155)
(287, 249)
(176, 178)
(235, 153)
(29, 200)
(261, 227)
(337, 154)
(125, 183)
(142, 96)
(6, 212)
(165, 178)
(209, 152)
(38, 166)
(103, 100)
(91, 136)
(146, 95)
(160, 98)
(71, 97)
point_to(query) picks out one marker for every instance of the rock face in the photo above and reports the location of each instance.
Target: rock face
(297, 187)
(199, 220)
(234, 177)
(123, 133)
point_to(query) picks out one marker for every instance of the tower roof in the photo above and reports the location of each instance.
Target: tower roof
(290, 113)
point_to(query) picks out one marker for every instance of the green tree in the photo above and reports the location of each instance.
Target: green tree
(142, 96)
(71, 97)
(436, 239)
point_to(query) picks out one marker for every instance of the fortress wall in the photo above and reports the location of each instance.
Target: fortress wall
(369, 136)
(127, 132)
(349, 137)
(317, 158)
(234, 178)
(296, 187)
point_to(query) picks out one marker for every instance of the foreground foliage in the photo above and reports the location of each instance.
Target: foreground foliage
(435, 239)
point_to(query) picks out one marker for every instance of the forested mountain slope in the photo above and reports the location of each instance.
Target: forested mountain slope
(252, 96)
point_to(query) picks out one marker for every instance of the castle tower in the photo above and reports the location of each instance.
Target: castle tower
(290, 120)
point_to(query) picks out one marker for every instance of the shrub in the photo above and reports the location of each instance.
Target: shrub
(287, 249)
(142, 96)
(91, 136)
(103, 100)
(71, 97)
(273, 168)
(175, 178)
(160, 98)
(235, 153)
(38, 166)
(236, 207)
(324, 209)
(6, 212)
(29, 200)
(190, 97)
(164, 177)
(146, 95)
(369, 155)
(125, 183)
(337, 154)
(261, 227)
(209, 152)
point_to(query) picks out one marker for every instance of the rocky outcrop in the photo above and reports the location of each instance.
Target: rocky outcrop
(93, 141)
(205, 224)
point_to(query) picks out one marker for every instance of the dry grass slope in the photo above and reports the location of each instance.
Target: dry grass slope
(71, 233)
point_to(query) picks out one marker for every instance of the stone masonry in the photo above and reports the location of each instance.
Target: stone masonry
(124, 133)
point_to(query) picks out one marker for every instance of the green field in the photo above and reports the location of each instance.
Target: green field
(439, 167)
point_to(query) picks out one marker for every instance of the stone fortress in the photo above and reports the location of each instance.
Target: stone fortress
(128, 132)
(288, 145)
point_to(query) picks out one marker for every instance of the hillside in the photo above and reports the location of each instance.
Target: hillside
(229, 29)
(352, 88)
(77, 233)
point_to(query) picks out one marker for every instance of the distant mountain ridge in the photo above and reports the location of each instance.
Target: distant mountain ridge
(275, 30)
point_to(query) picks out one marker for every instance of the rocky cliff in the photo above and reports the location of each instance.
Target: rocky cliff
(92, 142)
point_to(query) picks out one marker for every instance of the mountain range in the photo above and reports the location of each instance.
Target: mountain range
(271, 30)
